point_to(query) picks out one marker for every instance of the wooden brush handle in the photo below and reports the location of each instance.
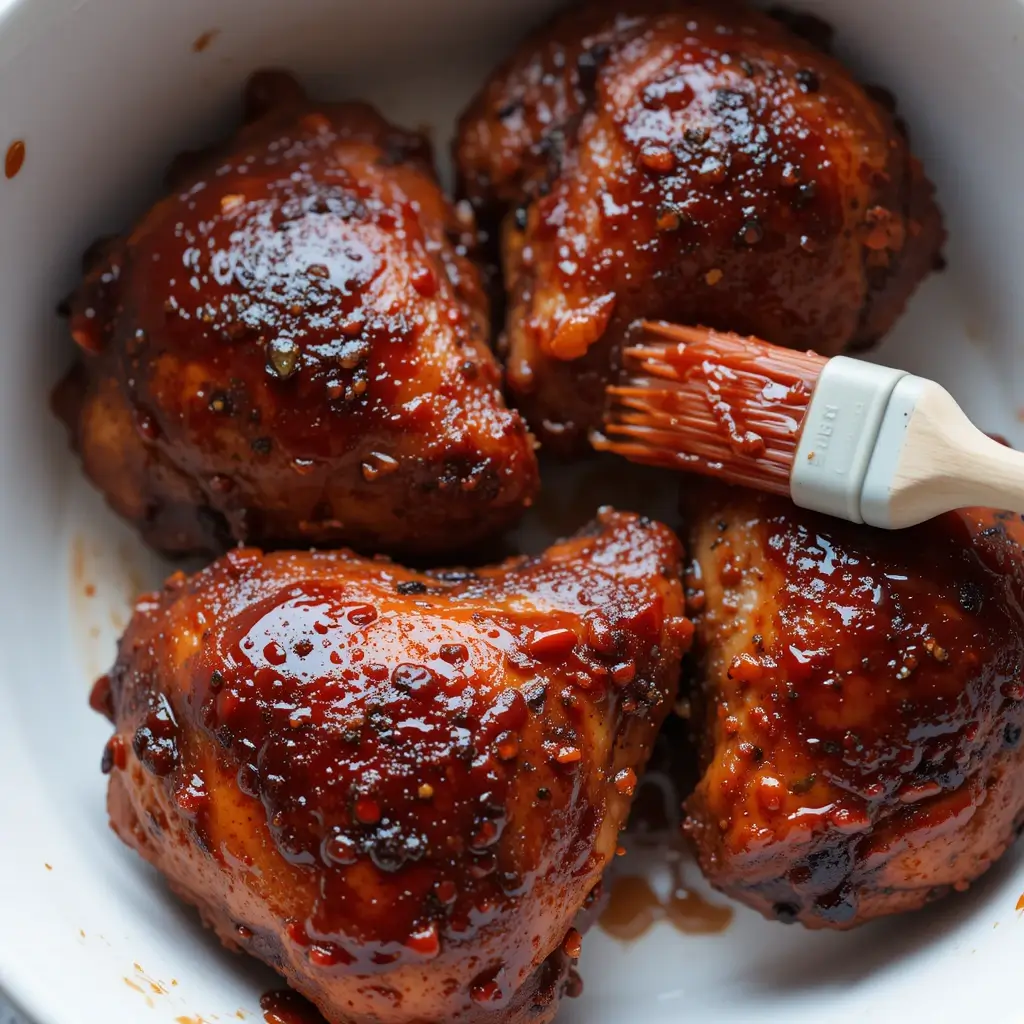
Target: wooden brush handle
(929, 459)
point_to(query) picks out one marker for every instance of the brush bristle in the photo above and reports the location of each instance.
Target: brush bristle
(696, 400)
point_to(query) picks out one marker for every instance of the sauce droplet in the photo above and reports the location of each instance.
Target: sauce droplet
(204, 40)
(283, 1006)
(15, 158)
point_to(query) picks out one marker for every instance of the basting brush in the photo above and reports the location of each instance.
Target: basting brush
(862, 442)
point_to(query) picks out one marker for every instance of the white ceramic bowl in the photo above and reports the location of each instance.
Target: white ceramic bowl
(103, 92)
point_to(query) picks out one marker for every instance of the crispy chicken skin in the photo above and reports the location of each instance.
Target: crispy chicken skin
(688, 161)
(291, 348)
(398, 789)
(862, 705)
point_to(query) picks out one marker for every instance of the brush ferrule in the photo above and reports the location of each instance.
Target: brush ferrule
(876, 502)
(839, 436)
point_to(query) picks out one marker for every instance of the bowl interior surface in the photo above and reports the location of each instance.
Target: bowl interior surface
(103, 93)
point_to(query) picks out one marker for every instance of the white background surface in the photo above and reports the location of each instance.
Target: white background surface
(104, 92)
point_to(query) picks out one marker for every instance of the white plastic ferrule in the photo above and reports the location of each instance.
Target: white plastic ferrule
(877, 491)
(839, 436)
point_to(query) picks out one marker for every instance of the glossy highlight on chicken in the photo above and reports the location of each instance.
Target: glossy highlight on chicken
(397, 788)
(861, 705)
(291, 348)
(690, 161)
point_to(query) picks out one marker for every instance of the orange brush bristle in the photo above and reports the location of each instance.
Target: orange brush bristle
(696, 400)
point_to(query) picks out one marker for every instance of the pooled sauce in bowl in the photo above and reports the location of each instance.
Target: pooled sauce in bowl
(636, 902)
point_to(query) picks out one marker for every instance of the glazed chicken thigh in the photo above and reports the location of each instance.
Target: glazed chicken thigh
(290, 348)
(398, 789)
(689, 161)
(861, 707)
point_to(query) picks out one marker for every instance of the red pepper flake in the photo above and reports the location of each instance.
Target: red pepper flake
(572, 944)
(446, 892)
(568, 755)
(326, 954)
(506, 746)
(659, 159)
(552, 643)
(367, 810)
(624, 673)
(15, 158)
(426, 941)
(424, 280)
(486, 991)
(625, 782)
(745, 668)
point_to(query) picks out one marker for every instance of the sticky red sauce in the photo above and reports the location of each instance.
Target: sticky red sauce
(283, 1006)
(423, 431)
(868, 697)
(15, 158)
(634, 908)
(711, 403)
(202, 42)
(420, 747)
(723, 188)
